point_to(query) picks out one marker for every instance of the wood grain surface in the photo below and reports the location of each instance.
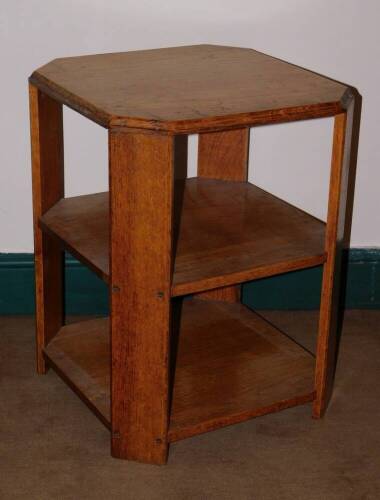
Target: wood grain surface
(327, 337)
(231, 365)
(189, 89)
(46, 130)
(80, 354)
(141, 204)
(224, 156)
(230, 232)
(81, 224)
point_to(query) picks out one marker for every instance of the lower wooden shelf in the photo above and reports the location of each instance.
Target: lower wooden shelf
(231, 365)
(80, 354)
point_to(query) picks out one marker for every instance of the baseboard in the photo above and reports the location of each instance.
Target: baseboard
(87, 294)
(302, 289)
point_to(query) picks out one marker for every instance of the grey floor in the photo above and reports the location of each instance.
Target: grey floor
(52, 447)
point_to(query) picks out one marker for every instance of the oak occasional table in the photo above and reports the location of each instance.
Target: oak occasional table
(179, 354)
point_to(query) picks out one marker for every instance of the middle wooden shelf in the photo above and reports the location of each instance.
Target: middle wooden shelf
(227, 233)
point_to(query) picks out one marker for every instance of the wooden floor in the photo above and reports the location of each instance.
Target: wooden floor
(231, 365)
(229, 232)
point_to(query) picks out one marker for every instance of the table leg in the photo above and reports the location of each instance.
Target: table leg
(223, 155)
(141, 201)
(48, 188)
(327, 335)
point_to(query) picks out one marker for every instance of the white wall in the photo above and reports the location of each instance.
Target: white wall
(338, 38)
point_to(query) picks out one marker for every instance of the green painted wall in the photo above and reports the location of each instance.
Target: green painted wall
(87, 294)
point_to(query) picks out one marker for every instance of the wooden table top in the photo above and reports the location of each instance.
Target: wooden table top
(189, 89)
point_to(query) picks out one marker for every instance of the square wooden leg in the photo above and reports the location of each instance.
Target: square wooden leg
(141, 201)
(327, 335)
(48, 188)
(223, 155)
